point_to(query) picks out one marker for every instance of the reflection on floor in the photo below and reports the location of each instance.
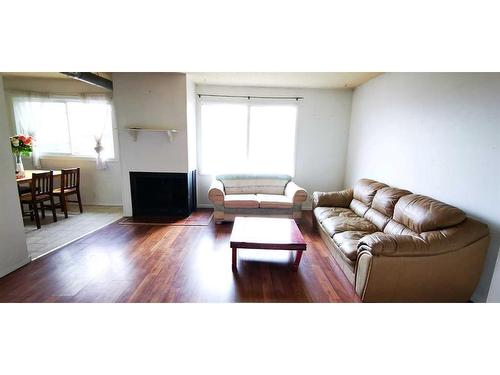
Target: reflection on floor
(53, 235)
(170, 263)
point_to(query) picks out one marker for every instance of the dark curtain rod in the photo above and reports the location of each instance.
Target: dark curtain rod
(297, 98)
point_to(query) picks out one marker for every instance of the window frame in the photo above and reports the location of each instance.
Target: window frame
(65, 98)
(248, 102)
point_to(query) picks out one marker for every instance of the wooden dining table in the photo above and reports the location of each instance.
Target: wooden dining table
(28, 174)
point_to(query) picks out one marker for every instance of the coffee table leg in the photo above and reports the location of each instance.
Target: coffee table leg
(298, 256)
(235, 260)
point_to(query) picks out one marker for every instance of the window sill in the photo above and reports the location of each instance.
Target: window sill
(72, 157)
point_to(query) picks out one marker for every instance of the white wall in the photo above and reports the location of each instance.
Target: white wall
(13, 250)
(321, 137)
(434, 134)
(191, 123)
(153, 100)
(98, 187)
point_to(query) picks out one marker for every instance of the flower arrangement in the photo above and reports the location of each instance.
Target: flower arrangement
(21, 145)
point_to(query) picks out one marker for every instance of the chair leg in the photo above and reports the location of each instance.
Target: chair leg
(32, 217)
(61, 203)
(79, 201)
(37, 217)
(42, 206)
(64, 205)
(53, 207)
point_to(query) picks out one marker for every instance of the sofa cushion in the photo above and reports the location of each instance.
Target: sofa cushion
(241, 201)
(393, 227)
(322, 213)
(274, 201)
(358, 207)
(365, 190)
(254, 183)
(386, 198)
(422, 214)
(347, 242)
(350, 250)
(334, 225)
(377, 218)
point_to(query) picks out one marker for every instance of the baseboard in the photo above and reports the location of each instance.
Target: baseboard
(7, 270)
(100, 204)
(205, 205)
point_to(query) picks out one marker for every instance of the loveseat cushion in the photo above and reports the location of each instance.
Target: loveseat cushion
(322, 213)
(241, 201)
(274, 201)
(422, 214)
(254, 183)
(334, 225)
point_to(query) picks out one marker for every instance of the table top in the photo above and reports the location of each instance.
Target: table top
(266, 233)
(28, 173)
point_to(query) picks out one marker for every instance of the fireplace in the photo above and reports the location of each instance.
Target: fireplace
(163, 194)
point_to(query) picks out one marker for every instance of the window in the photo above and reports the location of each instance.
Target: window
(66, 125)
(247, 137)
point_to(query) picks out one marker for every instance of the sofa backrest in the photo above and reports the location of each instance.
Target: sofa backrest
(398, 211)
(254, 183)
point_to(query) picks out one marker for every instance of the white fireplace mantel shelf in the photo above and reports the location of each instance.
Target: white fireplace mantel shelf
(134, 131)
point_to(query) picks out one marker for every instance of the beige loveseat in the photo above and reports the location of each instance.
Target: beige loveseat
(397, 246)
(255, 195)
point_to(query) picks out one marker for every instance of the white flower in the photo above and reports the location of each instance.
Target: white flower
(15, 142)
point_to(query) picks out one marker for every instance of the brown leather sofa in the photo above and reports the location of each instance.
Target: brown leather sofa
(395, 246)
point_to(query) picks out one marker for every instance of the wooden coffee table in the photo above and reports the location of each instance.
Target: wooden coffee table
(266, 233)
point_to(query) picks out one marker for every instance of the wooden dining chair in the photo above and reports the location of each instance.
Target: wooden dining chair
(24, 189)
(70, 185)
(42, 185)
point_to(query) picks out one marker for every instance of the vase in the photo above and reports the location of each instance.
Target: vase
(19, 166)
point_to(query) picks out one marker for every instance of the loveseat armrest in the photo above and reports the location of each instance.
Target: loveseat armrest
(216, 193)
(384, 244)
(298, 194)
(332, 199)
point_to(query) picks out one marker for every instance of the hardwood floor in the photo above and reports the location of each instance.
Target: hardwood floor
(152, 263)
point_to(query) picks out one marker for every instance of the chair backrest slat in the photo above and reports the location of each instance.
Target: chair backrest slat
(70, 178)
(41, 183)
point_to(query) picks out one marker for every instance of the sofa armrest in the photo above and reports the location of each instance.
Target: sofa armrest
(457, 236)
(298, 194)
(216, 193)
(393, 245)
(332, 199)
(428, 243)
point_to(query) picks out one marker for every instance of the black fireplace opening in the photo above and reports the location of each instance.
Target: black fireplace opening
(157, 194)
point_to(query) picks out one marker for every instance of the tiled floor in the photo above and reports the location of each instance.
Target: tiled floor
(53, 235)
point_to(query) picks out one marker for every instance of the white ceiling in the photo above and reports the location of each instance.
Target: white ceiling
(47, 75)
(323, 80)
(35, 75)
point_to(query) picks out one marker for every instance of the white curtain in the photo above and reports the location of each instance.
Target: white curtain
(28, 115)
(84, 119)
(98, 125)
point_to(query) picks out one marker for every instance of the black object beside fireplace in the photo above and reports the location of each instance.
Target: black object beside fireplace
(163, 194)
